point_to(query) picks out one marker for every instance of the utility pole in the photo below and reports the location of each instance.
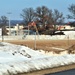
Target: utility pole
(9, 24)
(35, 42)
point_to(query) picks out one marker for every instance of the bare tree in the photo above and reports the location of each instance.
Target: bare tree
(3, 20)
(3, 23)
(27, 15)
(41, 14)
(71, 9)
(49, 17)
(57, 17)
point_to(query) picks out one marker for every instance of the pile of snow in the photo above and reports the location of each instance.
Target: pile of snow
(69, 32)
(18, 59)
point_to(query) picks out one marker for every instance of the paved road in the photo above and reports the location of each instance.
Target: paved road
(68, 72)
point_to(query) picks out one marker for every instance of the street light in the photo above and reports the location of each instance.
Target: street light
(9, 23)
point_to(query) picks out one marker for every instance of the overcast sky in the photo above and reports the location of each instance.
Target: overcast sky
(16, 6)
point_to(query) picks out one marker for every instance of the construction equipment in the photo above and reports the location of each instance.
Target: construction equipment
(33, 24)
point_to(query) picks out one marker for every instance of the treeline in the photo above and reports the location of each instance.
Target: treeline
(43, 16)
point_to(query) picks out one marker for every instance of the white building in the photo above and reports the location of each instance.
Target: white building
(15, 30)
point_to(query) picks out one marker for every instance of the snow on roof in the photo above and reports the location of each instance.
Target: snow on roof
(18, 59)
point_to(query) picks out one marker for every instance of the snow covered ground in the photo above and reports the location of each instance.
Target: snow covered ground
(70, 34)
(18, 59)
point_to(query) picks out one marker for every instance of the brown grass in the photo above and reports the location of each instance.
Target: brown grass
(45, 44)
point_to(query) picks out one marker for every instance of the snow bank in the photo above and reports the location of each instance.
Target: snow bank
(71, 35)
(18, 59)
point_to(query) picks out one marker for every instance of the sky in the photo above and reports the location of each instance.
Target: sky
(16, 6)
